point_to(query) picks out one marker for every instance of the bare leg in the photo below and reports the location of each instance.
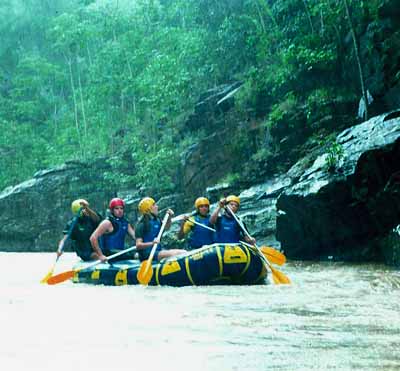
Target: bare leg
(168, 253)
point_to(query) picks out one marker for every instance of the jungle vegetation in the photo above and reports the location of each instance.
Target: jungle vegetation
(82, 79)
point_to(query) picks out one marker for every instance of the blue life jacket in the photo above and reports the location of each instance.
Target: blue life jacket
(200, 236)
(116, 239)
(149, 236)
(227, 230)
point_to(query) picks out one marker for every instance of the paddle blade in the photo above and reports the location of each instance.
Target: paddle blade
(145, 272)
(47, 276)
(279, 277)
(274, 256)
(58, 278)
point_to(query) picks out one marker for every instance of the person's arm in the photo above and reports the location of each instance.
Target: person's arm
(214, 215)
(87, 211)
(140, 245)
(104, 227)
(185, 228)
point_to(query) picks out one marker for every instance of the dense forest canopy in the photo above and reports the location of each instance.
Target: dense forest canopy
(117, 79)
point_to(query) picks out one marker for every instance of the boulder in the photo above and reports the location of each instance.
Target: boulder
(34, 213)
(341, 211)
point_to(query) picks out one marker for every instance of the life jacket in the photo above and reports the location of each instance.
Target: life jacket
(228, 230)
(200, 236)
(80, 236)
(116, 239)
(150, 234)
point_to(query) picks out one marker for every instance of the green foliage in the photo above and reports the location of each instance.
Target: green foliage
(316, 100)
(232, 179)
(335, 154)
(280, 110)
(80, 80)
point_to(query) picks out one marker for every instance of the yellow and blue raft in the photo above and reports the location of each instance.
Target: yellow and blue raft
(216, 264)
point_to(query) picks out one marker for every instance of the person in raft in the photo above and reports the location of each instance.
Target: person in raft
(198, 235)
(109, 236)
(79, 229)
(147, 230)
(227, 229)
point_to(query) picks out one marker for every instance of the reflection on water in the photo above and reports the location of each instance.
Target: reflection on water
(333, 316)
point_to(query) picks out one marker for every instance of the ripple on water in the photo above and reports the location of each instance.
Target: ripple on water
(333, 316)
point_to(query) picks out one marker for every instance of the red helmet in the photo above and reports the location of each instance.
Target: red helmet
(116, 202)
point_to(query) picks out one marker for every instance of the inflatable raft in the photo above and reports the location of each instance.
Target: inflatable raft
(216, 264)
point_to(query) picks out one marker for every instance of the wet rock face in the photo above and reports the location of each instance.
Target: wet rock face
(34, 213)
(343, 213)
(390, 247)
(203, 163)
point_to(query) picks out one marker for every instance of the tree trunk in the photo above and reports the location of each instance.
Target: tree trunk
(360, 71)
(69, 62)
(308, 16)
(81, 98)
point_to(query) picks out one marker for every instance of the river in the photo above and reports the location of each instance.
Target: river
(334, 316)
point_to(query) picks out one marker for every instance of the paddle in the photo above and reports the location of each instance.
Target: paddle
(61, 247)
(61, 277)
(278, 277)
(274, 256)
(146, 270)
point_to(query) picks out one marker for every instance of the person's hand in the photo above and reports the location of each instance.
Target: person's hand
(252, 240)
(185, 218)
(170, 212)
(85, 210)
(84, 204)
(59, 253)
(156, 241)
(222, 203)
(103, 258)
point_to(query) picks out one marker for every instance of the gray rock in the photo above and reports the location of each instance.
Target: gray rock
(34, 213)
(341, 214)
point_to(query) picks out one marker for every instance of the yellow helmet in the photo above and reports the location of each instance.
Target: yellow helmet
(201, 201)
(76, 205)
(234, 199)
(145, 205)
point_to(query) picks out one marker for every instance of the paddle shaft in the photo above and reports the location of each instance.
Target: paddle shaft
(153, 250)
(201, 225)
(280, 260)
(132, 248)
(61, 277)
(278, 276)
(241, 225)
(180, 217)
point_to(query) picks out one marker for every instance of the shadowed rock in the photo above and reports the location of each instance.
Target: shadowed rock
(342, 214)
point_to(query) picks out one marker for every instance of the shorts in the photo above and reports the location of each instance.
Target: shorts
(85, 255)
(145, 254)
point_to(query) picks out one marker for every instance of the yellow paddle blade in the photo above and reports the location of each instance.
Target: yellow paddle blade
(274, 256)
(145, 272)
(47, 276)
(279, 277)
(58, 278)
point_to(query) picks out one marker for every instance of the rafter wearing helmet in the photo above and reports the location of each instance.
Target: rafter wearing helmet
(79, 230)
(147, 230)
(109, 237)
(227, 229)
(198, 236)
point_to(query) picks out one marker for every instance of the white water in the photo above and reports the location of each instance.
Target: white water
(333, 316)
